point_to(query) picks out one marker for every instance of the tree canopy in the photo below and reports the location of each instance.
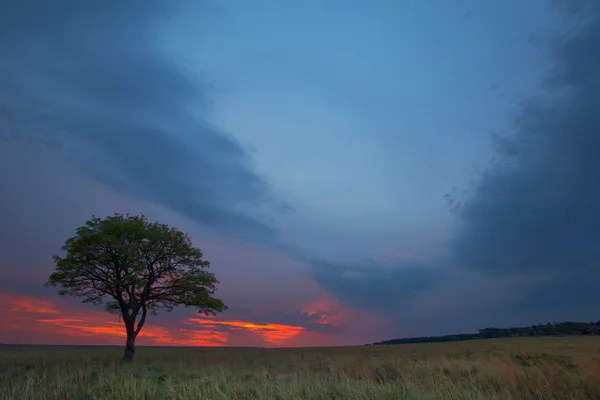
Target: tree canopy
(136, 268)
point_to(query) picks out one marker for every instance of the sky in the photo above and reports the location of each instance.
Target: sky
(354, 171)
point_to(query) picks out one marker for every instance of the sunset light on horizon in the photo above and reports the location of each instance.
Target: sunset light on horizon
(32, 320)
(326, 173)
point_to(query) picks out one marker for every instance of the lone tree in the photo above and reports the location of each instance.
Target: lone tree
(137, 267)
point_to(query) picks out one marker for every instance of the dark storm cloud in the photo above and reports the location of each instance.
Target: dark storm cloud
(573, 288)
(535, 213)
(375, 286)
(537, 209)
(90, 79)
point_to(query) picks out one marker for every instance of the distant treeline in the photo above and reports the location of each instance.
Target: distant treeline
(557, 329)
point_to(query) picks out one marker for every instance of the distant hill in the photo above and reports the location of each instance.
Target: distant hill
(556, 329)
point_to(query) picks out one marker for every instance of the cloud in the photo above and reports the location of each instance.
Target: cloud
(538, 210)
(569, 294)
(526, 242)
(94, 82)
(535, 211)
(377, 286)
(274, 334)
(315, 320)
(276, 290)
(27, 318)
(96, 85)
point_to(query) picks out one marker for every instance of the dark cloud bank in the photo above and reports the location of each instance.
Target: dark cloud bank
(88, 79)
(535, 213)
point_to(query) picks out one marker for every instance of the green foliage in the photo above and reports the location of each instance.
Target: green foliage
(135, 265)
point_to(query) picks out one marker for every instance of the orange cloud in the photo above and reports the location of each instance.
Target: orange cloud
(272, 333)
(355, 325)
(99, 325)
(323, 321)
(191, 337)
(324, 311)
(27, 304)
(27, 319)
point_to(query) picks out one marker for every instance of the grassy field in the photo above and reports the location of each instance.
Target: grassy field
(524, 368)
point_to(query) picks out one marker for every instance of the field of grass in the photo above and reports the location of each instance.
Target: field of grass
(523, 368)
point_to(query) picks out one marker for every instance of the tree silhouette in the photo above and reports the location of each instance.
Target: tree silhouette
(137, 267)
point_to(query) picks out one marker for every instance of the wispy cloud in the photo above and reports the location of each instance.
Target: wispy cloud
(27, 318)
(275, 334)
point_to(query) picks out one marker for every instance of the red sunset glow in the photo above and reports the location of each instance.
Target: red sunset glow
(29, 319)
(272, 333)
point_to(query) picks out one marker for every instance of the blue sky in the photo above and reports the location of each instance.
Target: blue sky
(405, 100)
(407, 161)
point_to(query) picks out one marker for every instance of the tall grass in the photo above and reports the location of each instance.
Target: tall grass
(525, 368)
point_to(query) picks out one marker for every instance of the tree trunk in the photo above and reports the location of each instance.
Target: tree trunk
(129, 347)
(129, 316)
